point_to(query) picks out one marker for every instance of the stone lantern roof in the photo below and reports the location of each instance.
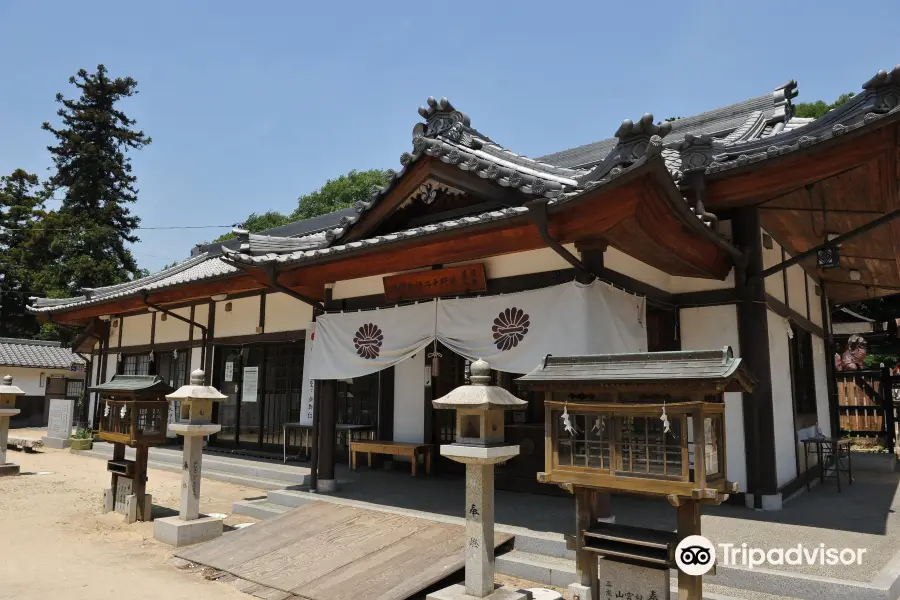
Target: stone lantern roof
(196, 390)
(7, 387)
(480, 394)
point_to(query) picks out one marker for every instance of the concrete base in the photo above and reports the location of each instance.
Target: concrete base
(769, 502)
(326, 486)
(579, 592)
(175, 532)
(8, 469)
(58, 443)
(458, 592)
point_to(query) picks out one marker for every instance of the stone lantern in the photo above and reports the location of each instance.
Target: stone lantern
(479, 445)
(8, 393)
(196, 409)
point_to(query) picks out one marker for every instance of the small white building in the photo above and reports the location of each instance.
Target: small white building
(44, 370)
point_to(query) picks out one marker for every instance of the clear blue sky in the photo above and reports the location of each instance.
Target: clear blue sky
(251, 104)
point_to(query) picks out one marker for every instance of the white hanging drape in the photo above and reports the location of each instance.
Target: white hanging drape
(511, 331)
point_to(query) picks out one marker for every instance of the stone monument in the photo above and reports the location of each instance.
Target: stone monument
(189, 527)
(8, 393)
(479, 445)
(59, 423)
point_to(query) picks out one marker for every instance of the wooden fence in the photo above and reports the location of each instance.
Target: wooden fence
(866, 406)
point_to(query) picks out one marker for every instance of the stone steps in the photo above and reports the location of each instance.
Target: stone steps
(258, 509)
(548, 570)
(250, 473)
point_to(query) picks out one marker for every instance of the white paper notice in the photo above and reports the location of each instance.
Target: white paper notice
(229, 372)
(309, 384)
(251, 384)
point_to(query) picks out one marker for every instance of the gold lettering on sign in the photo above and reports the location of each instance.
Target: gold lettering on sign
(451, 281)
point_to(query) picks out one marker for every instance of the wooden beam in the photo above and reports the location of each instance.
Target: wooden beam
(782, 310)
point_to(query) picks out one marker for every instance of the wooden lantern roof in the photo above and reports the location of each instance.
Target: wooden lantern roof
(703, 370)
(134, 385)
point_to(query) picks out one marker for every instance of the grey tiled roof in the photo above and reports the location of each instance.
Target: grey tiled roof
(718, 123)
(197, 268)
(37, 354)
(134, 383)
(712, 366)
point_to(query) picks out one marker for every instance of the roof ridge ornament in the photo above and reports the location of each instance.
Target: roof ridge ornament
(636, 141)
(886, 86)
(443, 119)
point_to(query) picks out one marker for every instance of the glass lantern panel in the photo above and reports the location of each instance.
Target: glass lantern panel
(714, 450)
(647, 450)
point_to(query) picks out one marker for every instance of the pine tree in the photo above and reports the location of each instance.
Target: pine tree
(94, 175)
(21, 205)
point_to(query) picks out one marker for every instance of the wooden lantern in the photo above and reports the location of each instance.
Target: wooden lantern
(134, 409)
(649, 424)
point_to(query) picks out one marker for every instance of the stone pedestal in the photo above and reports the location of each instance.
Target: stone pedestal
(177, 532)
(458, 592)
(59, 424)
(189, 527)
(479, 529)
(5, 467)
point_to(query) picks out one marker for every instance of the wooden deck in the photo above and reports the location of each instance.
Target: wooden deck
(324, 551)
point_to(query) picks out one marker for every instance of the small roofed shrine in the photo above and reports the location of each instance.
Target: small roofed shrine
(651, 424)
(647, 423)
(134, 414)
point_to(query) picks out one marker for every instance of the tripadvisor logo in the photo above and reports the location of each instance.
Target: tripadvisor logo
(696, 555)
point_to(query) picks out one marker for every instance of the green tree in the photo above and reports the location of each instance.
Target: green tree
(338, 193)
(94, 174)
(815, 110)
(259, 222)
(21, 203)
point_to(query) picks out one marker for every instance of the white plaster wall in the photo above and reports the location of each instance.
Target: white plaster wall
(29, 379)
(782, 398)
(136, 330)
(715, 327)
(796, 279)
(619, 261)
(172, 330)
(521, 263)
(409, 400)
(201, 316)
(242, 320)
(195, 360)
(774, 283)
(678, 285)
(820, 366)
(815, 304)
(284, 313)
(112, 364)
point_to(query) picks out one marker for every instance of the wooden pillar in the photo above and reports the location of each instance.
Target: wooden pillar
(887, 402)
(690, 587)
(327, 434)
(753, 336)
(602, 506)
(831, 384)
(139, 487)
(585, 560)
(118, 454)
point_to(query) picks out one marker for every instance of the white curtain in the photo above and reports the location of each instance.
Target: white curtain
(511, 331)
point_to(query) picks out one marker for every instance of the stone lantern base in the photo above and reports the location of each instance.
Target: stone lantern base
(458, 592)
(176, 532)
(7, 469)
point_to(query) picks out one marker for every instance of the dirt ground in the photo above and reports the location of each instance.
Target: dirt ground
(54, 542)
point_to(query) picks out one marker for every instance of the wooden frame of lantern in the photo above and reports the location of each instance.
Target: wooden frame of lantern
(650, 424)
(135, 413)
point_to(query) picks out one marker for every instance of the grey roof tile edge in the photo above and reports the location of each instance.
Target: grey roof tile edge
(560, 197)
(173, 278)
(793, 141)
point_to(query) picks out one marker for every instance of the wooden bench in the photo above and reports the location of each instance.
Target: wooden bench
(372, 447)
(23, 443)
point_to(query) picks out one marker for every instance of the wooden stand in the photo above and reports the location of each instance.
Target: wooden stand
(690, 587)
(585, 560)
